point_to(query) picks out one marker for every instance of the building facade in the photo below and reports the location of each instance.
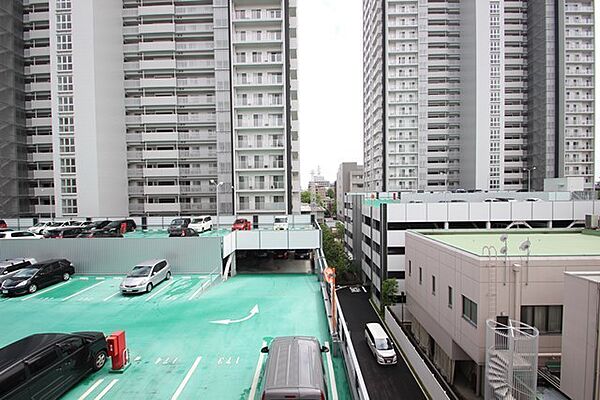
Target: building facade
(349, 180)
(477, 94)
(149, 109)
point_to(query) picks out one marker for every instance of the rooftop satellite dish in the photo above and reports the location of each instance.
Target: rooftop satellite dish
(503, 250)
(525, 245)
(504, 238)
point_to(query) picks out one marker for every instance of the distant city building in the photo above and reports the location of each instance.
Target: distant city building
(349, 180)
(318, 186)
(477, 94)
(136, 108)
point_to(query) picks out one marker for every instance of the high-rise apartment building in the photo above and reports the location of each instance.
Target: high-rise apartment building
(477, 94)
(349, 180)
(149, 107)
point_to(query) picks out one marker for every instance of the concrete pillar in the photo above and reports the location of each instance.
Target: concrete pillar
(233, 269)
(446, 225)
(550, 224)
(488, 225)
(479, 385)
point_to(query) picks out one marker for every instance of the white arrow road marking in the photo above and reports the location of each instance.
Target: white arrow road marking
(254, 386)
(253, 312)
(82, 291)
(91, 389)
(332, 384)
(186, 379)
(106, 389)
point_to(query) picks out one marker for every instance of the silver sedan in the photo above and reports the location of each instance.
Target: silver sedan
(145, 276)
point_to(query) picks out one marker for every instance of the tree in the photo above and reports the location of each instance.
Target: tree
(305, 197)
(389, 290)
(339, 231)
(330, 193)
(334, 252)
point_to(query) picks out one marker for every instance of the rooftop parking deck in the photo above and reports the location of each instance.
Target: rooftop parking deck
(177, 349)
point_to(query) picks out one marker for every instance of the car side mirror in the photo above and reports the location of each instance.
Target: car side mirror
(324, 349)
(4, 272)
(154, 273)
(265, 349)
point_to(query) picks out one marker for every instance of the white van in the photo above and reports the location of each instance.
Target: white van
(380, 344)
(280, 223)
(201, 224)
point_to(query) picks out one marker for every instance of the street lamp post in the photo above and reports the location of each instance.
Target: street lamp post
(529, 176)
(217, 185)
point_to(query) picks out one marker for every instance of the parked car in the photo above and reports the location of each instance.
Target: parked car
(39, 227)
(302, 254)
(64, 232)
(183, 232)
(37, 276)
(116, 225)
(3, 224)
(10, 267)
(241, 224)
(5, 230)
(294, 369)
(47, 365)
(533, 199)
(179, 223)
(101, 234)
(380, 344)
(145, 276)
(280, 254)
(19, 235)
(202, 223)
(97, 224)
(491, 200)
(281, 223)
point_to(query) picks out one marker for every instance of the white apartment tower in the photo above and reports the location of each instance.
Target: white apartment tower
(147, 107)
(477, 94)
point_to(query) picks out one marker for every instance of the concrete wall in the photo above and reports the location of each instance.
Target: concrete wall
(471, 276)
(580, 335)
(117, 256)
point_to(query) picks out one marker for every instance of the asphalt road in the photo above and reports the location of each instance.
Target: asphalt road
(394, 382)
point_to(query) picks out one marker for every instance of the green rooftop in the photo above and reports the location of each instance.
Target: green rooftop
(543, 242)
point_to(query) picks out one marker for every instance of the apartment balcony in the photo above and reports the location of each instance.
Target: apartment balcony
(38, 87)
(194, 10)
(199, 172)
(37, 52)
(260, 166)
(38, 104)
(197, 189)
(37, 69)
(39, 139)
(254, 145)
(155, 46)
(174, 208)
(196, 101)
(171, 189)
(257, 105)
(197, 136)
(197, 118)
(193, 28)
(37, 16)
(262, 207)
(152, 137)
(160, 172)
(261, 186)
(158, 101)
(170, 119)
(262, 82)
(155, 28)
(156, 10)
(156, 64)
(261, 126)
(195, 64)
(195, 82)
(258, 61)
(39, 157)
(579, 9)
(199, 208)
(36, 34)
(194, 46)
(41, 174)
(43, 209)
(41, 191)
(197, 154)
(38, 122)
(158, 83)
(161, 154)
(261, 17)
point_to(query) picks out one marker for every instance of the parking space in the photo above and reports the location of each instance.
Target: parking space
(191, 337)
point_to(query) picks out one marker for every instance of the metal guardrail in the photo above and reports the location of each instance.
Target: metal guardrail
(341, 338)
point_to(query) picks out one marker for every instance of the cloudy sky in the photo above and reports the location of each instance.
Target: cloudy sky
(330, 85)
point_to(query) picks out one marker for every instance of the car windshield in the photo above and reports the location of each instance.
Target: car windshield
(177, 222)
(139, 271)
(114, 224)
(383, 344)
(240, 221)
(52, 224)
(26, 273)
(197, 220)
(39, 224)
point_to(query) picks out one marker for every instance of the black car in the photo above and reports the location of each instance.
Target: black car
(302, 254)
(183, 232)
(179, 223)
(116, 225)
(64, 232)
(280, 254)
(46, 365)
(97, 224)
(102, 233)
(37, 276)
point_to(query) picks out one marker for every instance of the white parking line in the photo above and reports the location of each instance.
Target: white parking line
(91, 389)
(106, 389)
(161, 290)
(111, 296)
(201, 288)
(82, 291)
(332, 384)
(186, 379)
(31, 296)
(253, 388)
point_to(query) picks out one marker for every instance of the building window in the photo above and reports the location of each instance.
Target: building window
(547, 319)
(395, 250)
(433, 284)
(64, 63)
(409, 268)
(67, 165)
(66, 126)
(65, 104)
(67, 145)
(63, 42)
(68, 186)
(469, 310)
(450, 297)
(69, 206)
(63, 4)
(63, 22)
(420, 275)
(65, 83)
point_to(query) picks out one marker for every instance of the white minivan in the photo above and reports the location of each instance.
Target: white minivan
(380, 344)
(280, 223)
(201, 224)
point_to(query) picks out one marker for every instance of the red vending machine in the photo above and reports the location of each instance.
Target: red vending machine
(117, 351)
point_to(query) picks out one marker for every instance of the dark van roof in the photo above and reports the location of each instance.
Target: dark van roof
(28, 346)
(294, 362)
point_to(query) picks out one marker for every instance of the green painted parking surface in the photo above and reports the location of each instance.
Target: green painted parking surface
(177, 349)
